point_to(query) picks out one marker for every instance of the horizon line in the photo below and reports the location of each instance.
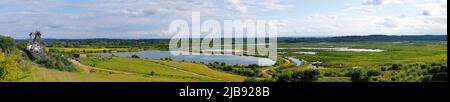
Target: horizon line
(245, 37)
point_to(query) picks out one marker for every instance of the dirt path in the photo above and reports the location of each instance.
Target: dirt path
(88, 69)
(265, 71)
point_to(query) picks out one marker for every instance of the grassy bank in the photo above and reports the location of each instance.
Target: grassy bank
(160, 68)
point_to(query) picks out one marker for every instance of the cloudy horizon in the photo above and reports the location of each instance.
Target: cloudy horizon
(143, 19)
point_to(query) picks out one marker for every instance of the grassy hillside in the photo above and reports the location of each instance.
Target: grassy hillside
(38, 74)
(160, 68)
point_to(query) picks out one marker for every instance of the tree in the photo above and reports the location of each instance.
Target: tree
(253, 79)
(135, 56)
(374, 72)
(58, 63)
(152, 73)
(7, 44)
(310, 75)
(285, 76)
(358, 75)
(396, 66)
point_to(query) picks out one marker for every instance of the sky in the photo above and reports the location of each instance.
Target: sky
(143, 19)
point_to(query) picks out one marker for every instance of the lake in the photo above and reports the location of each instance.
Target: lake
(228, 59)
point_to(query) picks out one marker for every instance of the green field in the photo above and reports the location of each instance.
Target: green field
(395, 52)
(413, 58)
(62, 49)
(170, 69)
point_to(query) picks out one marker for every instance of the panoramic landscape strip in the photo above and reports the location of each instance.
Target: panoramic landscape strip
(337, 59)
(223, 41)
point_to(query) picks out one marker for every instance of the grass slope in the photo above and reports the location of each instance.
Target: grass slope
(38, 74)
(161, 68)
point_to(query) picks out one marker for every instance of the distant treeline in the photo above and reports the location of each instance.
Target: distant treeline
(383, 38)
(162, 43)
(106, 43)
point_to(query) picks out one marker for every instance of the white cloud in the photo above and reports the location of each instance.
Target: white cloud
(277, 5)
(236, 5)
(146, 19)
(389, 23)
(243, 6)
(434, 8)
(382, 2)
(162, 33)
(364, 20)
(99, 18)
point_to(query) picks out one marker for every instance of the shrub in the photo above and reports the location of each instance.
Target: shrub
(135, 56)
(6, 65)
(247, 72)
(253, 79)
(309, 75)
(396, 66)
(427, 78)
(358, 75)
(7, 44)
(285, 76)
(152, 73)
(374, 72)
(58, 63)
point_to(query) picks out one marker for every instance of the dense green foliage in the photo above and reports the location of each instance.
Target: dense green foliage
(5, 66)
(135, 56)
(436, 71)
(247, 70)
(12, 67)
(60, 63)
(309, 75)
(56, 61)
(7, 44)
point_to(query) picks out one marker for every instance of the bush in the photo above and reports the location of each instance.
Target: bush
(396, 66)
(135, 56)
(6, 65)
(309, 75)
(248, 72)
(427, 78)
(152, 73)
(285, 76)
(12, 68)
(7, 44)
(253, 79)
(58, 63)
(358, 75)
(374, 72)
(46, 63)
(330, 74)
